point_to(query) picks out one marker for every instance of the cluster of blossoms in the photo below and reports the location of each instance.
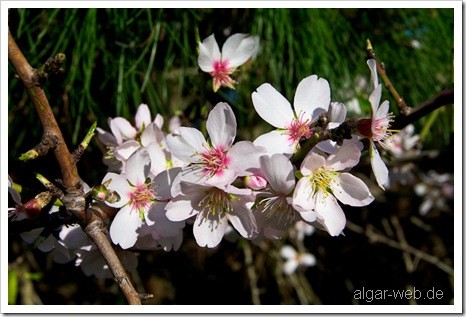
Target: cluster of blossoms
(165, 180)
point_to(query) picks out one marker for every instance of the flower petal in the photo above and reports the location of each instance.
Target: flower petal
(272, 106)
(383, 109)
(244, 157)
(122, 127)
(208, 232)
(221, 126)
(123, 229)
(373, 67)
(276, 142)
(347, 156)
(121, 186)
(164, 181)
(279, 172)
(312, 98)
(162, 225)
(290, 266)
(143, 117)
(137, 167)
(303, 196)
(336, 113)
(152, 133)
(106, 138)
(243, 220)
(288, 252)
(181, 208)
(185, 142)
(378, 167)
(311, 163)
(209, 53)
(331, 215)
(126, 149)
(351, 190)
(237, 49)
(374, 99)
(158, 161)
(308, 259)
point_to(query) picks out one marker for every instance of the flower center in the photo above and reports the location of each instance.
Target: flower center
(214, 161)
(298, 129)
(215, 203)
(141, 197)
(221, 75)
(279, 209)
(380, 127)
(321, 180)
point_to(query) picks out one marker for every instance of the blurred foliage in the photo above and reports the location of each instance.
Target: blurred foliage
(119, 58)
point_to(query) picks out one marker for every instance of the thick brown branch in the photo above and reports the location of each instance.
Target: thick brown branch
(29, 77)
(74, 199)
(443, 98)
(96, 231)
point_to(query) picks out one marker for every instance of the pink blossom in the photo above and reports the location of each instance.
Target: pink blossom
(376, 129)
(143, 200)
(213, 208)
(236, 50)
(274, 212)
(312, 98)
(316, 193)
(217, 162)
(295, 259)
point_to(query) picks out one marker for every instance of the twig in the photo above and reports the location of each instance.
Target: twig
(248, 260)
(74, 198)
(375, 237)
(401, 237)
(405, 110)
(441, 99)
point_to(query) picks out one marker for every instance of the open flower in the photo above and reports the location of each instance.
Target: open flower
(312, 99)
(141, 200)
(274, 212)
(236, 50)
(125, 138)
(217, 162)
(376, 129)
(295, 259)
(316, 193)
(213, 208)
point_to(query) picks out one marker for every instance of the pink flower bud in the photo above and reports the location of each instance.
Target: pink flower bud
(255, 182)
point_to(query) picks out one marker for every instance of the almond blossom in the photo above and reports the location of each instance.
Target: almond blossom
(312, 98)
(376, 129)
(219, 161)
(274, 212)
(125, 138)
(236, 50)
(316, 193)
(142, 201)
(295, 259)
(213, 208)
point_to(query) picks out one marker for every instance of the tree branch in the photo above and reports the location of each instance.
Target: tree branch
(74, 199)
(446, 97)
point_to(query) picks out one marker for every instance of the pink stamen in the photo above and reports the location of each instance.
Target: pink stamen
(298, 129)
(141, 197)
(221, 75)
(214, 161)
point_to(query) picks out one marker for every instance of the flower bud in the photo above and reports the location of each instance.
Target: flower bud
(99, 192)
(33, 207)
(255, 182)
